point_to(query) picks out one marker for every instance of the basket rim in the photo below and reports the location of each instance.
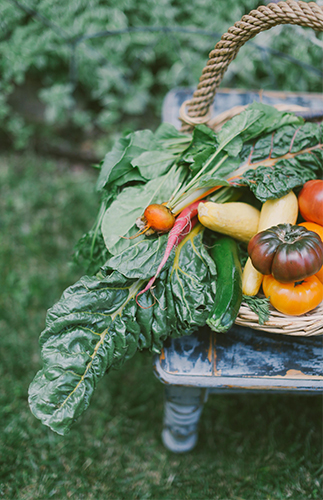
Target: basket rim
(308, 324)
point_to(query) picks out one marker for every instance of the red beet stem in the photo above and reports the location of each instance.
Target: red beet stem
(182, 227)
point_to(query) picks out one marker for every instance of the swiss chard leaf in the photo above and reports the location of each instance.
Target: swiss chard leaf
(153, 164)
(228, 136)
(191, 282)
(120, 164)
(274, 182)
(218, 178)
(117, 163)
(97, 325)
(207, 149)
(271, 120)
(255, 120)
(284, 160)
(78, 346)
(140, 259)
(198, 158)
(168, 135)
(202, 136)
(169, 143)
(203, 144)
(259, 305)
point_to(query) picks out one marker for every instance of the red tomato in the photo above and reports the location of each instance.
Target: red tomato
(293, 298)
(310, 201)
(311, 226)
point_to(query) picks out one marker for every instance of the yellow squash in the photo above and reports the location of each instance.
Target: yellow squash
(236, 219)
(279, 211)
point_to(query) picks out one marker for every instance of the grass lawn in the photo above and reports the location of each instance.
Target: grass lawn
(251, 446)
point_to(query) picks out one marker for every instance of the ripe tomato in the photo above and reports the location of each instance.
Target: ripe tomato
(293, 298)
(289, 253)
(310, 201)
(311, 226)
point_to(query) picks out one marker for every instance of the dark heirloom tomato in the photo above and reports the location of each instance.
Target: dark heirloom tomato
(289, 253)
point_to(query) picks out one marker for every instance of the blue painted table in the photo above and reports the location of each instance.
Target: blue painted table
(241, 359)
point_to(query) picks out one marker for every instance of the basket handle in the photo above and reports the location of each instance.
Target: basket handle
(196, 110)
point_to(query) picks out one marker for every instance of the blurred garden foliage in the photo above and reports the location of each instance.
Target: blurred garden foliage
(92, 65)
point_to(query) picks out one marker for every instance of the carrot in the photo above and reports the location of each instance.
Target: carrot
(183, 225)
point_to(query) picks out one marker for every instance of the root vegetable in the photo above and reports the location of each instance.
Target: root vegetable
(183, 225)
(159, 218)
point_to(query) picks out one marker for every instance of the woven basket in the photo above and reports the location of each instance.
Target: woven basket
(197, 111)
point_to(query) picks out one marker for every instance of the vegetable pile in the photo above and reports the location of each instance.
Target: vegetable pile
(168, 251)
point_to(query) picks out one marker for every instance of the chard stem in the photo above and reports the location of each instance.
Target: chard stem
(189, 191)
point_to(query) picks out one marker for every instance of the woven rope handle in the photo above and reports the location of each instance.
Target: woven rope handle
(265, 17)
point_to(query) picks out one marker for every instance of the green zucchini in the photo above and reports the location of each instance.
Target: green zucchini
(228, 296)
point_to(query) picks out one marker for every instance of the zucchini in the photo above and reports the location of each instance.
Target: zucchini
(228, 296)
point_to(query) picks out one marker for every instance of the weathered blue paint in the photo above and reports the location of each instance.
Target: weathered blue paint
(242, 352)
(243, 358)
(189, 355)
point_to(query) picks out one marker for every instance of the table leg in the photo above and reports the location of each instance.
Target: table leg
(182, 411)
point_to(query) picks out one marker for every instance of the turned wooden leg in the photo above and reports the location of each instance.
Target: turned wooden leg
(182, 411)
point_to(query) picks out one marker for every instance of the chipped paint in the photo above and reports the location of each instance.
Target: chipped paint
(210, 352)
(243, 359)
(298, 374)
(216, 372)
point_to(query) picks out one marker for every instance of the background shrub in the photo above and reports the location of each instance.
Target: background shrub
(85, 66)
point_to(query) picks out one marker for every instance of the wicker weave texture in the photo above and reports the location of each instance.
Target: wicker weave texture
(306, 325)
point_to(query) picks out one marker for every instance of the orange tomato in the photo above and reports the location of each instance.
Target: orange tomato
(293, 298)
(312, 226)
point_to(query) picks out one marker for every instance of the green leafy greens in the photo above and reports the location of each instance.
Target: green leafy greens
(97, 324)
(259, 305)
(294, 155)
